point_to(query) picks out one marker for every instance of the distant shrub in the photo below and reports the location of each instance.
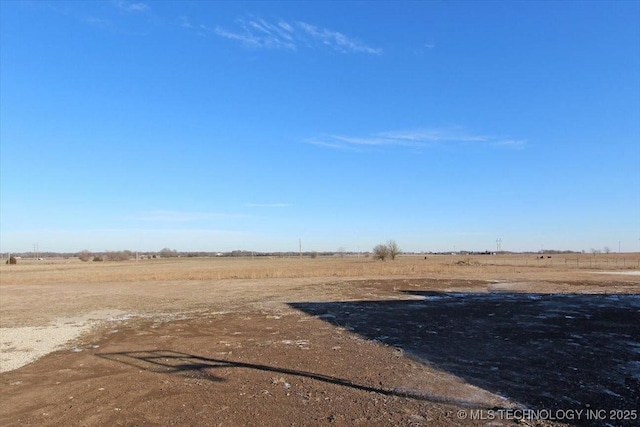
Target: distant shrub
(12, 260)
(97, 258)
(381, 252)
(168, 253)
(390, 250)
(84, 256)
(468, 261)
(118, 256)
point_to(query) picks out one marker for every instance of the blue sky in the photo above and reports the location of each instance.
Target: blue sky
(250, 125)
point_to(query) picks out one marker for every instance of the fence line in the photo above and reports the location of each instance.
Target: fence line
(582, 261)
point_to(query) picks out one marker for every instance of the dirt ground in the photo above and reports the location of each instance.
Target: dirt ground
(525, 349)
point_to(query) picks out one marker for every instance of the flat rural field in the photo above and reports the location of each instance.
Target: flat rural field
(446, 340)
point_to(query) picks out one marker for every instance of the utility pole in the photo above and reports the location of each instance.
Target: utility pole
(300, 246)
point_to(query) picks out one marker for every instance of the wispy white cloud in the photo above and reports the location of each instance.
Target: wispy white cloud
(412, 139)
(372, 141)
(260, 33)
(435, 135)
(281, 30)
(268, 205)
(103, 18)
(285, 26)
(377, 140)
(247, 39)
(186, 23)
(334, 145)
(128, 6)
(180, 216)
(336, 40)
(511, 143)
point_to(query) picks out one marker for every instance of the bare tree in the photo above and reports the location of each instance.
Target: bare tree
(168, 253)
(390, 250)
(607, 250)
(394, 249)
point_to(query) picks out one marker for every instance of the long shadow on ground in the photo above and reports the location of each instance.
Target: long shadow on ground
(545, 351)
(175, 362)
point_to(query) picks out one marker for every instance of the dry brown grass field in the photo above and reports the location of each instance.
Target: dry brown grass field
(72, 270)
(446, 340)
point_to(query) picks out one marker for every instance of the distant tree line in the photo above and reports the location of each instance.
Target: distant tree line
(386, 251)
(124, 255)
